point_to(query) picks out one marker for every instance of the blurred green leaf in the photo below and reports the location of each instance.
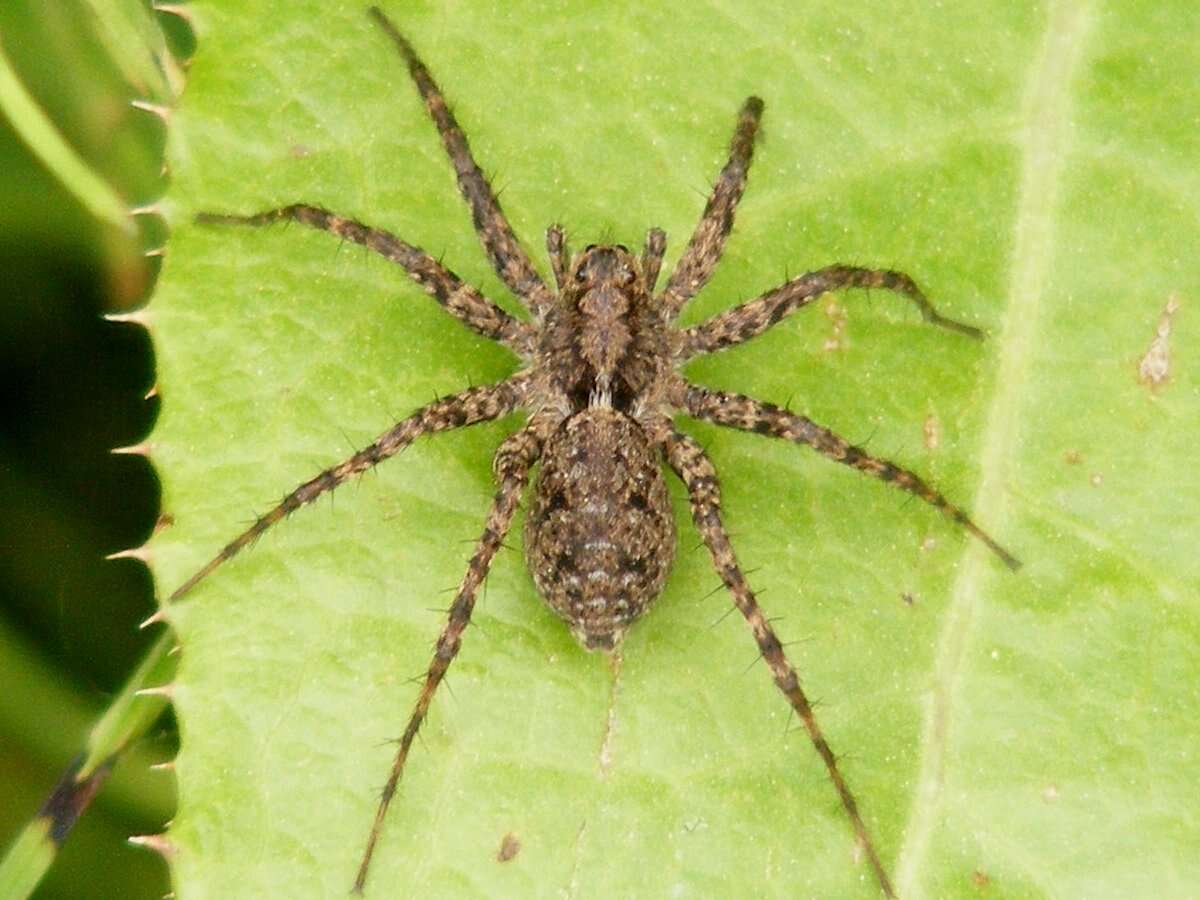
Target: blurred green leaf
(128, 719)
(135, 43)
(71, 148)
(48, 145)
(1030, 167)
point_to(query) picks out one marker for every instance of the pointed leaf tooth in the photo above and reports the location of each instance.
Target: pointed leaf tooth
(142, 553)
(158, 109)
(159, 843)
(142, 448)
(166, 691)
(174, 9)
(160, 615)
(140, 316)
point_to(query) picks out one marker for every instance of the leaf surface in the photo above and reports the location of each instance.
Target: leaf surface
(1029, 166)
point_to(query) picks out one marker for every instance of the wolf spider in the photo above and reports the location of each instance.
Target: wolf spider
(600, 378)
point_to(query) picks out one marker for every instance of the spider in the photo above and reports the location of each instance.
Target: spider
(600, 378)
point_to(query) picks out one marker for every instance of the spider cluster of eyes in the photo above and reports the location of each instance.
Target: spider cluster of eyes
(603, 263)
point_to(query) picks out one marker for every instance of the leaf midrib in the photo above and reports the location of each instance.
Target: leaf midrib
(1044, 141)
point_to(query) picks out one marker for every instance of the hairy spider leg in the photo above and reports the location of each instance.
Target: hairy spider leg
(477, 404)
(696, 471)
(458, 298)
(703, 251)
(747, 414)
(499, 242)
(750, 319)
(512, 463)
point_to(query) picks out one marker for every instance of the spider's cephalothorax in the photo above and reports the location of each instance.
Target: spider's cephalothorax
(604, 340)
(601, 382)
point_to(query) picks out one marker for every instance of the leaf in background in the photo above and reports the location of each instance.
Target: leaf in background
(1030, 732)
(73, 388)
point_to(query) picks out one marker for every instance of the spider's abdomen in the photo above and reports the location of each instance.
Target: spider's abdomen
(600, 536)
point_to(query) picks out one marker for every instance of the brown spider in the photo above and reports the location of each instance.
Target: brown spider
(601, 382)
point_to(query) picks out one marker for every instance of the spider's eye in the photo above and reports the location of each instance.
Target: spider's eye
(589, 248)
(622, 248)
(580, 278)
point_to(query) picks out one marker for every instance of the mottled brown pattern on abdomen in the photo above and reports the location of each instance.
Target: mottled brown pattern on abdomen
(600, 536)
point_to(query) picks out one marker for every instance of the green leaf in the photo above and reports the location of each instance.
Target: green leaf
(1032, 168)
(134, 710)
(53, 151)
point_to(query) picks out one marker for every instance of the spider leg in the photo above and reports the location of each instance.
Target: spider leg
(459, 299)
(652, 257)
(508, 259)
(703, 251)
(748, 414)
(696, 471)
(750, 319)
(511, 466)
(556, 247)
(478, 404)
